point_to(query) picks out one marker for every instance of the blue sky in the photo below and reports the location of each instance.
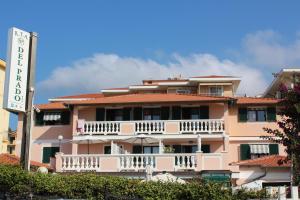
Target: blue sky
(85, 46)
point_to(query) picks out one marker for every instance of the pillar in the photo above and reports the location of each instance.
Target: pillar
(112, 147)
(225, 143)
(161, 146)
(199, 143)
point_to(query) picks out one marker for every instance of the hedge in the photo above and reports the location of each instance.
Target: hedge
(17, 183)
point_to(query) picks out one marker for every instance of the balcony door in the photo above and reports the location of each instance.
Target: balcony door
(152, 114)
(192, 113)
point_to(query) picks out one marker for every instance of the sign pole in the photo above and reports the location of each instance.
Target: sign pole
(27, 118)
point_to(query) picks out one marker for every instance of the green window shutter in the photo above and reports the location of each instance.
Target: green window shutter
(273, 149)
(271, 114)
(136, 149)
(137, 113)
(126, 114)
(46, 154)
(165, 111)
(205, 148)
(204, 112)
(39, 121)
(100, 114)
(65, 117)
(242, 114)
(176, 113)
(245, 151)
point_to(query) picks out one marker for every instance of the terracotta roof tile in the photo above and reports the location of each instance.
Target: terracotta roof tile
(256, 100)
(213, 76)
(51, 106)
(9, 159)
(92, 95)
(150, 98)
(266, 161)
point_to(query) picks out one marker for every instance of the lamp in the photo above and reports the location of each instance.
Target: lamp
(60, 138)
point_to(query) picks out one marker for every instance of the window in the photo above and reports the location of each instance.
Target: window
(114, 114)
(137, 149)
(257, 114)
(251, 151)
(49, 152)
(216, 91)
(107, 149)
(183, 91)
(151, 113)
(205, 148)
(52, 118)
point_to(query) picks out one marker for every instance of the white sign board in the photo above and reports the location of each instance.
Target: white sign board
(16, 70)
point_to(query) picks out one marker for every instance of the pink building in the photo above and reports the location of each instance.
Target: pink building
(189, 127)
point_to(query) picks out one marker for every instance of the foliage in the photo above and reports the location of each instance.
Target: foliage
(169, 149)
(19, 184)
(289, 128)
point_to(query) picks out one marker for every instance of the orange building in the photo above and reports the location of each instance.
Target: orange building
(189, 127)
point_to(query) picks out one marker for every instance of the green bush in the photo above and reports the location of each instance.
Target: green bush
(14, 181)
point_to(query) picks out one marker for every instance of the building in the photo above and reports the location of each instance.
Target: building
(4, 115)
(288, 77)
(189, 127)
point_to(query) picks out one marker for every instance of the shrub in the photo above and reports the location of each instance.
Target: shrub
(15, 182)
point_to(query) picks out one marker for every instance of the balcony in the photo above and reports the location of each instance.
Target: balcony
(207, 126)
(139, 162)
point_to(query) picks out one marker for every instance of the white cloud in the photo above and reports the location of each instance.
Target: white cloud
(110, 70)
(267, 49)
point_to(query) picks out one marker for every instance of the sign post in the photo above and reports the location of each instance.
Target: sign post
(19, 83)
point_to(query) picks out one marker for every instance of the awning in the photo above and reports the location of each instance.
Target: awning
(53, 116)
(259, 149)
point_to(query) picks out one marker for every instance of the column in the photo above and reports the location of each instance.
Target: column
(112, 147)
(199, 143)
(225, 143)
(161, 146)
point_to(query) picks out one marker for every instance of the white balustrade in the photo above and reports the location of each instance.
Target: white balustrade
(97, 127)
(196, 126)
(80, 162)
(150, 126)
(127, 162)
(155, 126)
(137, 161)
(185, 161)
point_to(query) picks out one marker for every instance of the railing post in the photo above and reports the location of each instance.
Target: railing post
(295, 194)
(282, 193)
(58, 162)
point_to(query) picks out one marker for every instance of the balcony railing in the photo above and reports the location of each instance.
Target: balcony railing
(153, 127)
(127, 162)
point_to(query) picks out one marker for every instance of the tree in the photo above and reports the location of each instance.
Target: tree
(288, 133)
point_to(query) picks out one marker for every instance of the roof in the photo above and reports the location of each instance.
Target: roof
(266, 161)
(51, 106)
(214, 76)
(150, 98)
(91, 95)
(9, 159)
(256, 100)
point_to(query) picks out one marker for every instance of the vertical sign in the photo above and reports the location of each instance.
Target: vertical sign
(16, 70)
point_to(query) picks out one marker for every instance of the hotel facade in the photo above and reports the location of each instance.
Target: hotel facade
(190, 127)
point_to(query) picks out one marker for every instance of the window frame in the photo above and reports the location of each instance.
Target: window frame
(60, 122)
